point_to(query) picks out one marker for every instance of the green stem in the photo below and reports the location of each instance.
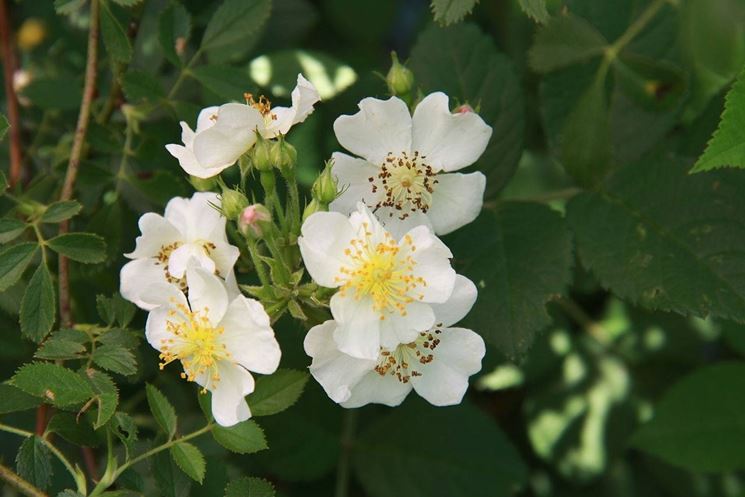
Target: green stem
(635, 28)
(253, 250)
(294, 204)
(76, 474)
(19, 483)
(42, 242)
(347, 440)
(183, 73)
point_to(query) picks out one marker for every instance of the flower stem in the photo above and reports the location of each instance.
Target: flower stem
(183, 73)
(9, 67)
(349, 426)
(91, 72)
(19, 483)
(253, 250)
(635, 28)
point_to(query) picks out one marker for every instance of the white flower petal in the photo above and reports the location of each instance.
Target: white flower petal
(156, 329)
(156, 233)
(335, 371)
(458, 305)
(325, 235)
(229, 405)
(248, 336)
(188, 162)
(448, 141)
(432, 259)
(358, 326)
(444, 381)
(390, 218)
(207, 293)
(204, 221)
(233, 133)
(187, 135)
(377, 389)
(304, 97)
(456, 201)
(396, 329)
(188, 254)
(207, 118)
(139, 275)
(353, 182)
(225, 257)
(379, 128)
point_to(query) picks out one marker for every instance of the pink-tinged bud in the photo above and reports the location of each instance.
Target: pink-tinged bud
(252, 219)
(463, 109)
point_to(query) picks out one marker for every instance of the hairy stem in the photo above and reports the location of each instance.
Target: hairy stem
(19, 483)
(347, 440)
(9, 67)
(91, 71)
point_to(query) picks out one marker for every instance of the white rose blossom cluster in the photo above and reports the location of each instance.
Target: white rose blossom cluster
(397, 298)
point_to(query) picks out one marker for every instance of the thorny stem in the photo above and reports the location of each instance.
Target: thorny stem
(9, 67)
(347, 440)
(77, 149)
(19, 483)
(76, 474)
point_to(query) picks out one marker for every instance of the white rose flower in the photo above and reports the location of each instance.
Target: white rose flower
(386, 286)
(191, 230)
(226, 132)
(436, 364)
(405, 173)
(216, 339)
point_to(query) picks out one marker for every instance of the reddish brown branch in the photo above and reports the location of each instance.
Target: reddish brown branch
(91, 71)
(9, 68)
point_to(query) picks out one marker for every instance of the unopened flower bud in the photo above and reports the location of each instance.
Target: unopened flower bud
(325, 186)
(261, 154)
(284, 154)
(202, 184)
(252, 220)
(313, 207)
(233, 202)
(400, 80)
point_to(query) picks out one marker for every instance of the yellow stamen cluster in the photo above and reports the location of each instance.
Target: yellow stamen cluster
(263, 105)
(401, 361)
(194, 342)
(408, 183)
(382, 271)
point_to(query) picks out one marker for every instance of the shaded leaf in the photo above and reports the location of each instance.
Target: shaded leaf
(107, 395)
(34, 462)
(59, 348)
(536, 9)
(246, 437)
(163, 411)
(82, 247)
(451, 11)
(13, 262)
(60, 211)
(75, 429)
(564, 41)
(114, 37)
(56, 384)
(277, 392)
(190, 460)
(10, 229)
(38, 306)
(235, 21)
(174, 25)
(249, 487)
(13, 399)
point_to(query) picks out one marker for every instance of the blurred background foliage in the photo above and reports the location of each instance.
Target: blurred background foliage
(586, 333)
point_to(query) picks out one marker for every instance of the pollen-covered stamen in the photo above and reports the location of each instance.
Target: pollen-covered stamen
(263, 105)
(162, 260)
(382, 271)
(409, 359)
(407, 183)
(195, 342)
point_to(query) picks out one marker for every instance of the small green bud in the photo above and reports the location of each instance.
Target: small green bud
(313, 207)
(261, 154)
(202, 184)
(253, 221)
(325, 186)
(284, 154)
(232, 203)
(31, 208)
(400, 79)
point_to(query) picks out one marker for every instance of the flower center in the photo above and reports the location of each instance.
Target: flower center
(162, 259)
(263, 105)
(382, 271)
(194, 342)
(407, 182)
(407, 360)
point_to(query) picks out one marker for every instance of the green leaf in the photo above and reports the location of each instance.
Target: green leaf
(106, 395)
(54, 93)
(517, 269)
(34, 462)
(277, 392)
(10, 229)
(163, 411)
(114, 37)
(666, 240)
(244, 438)
(13, 399)
(399, 455)
(224, 81)
(174, 25)
(124, 311)
(61, 211)
(73, 493)
(59, 348)
(125, 429)
(56, 384)
(249, 487)
(4, 126)
(727, 146)
(536, 9)
(585, 138)
(82, 247)
(120, 338)
(141, 86)
(235, 21)
(67, 7)
(190, 460)
(13, 262)
(170, 480)
(75, 429)
(452, 11)
(38, 306)
(564, 41)
(698, 424)
(464, 63)
(116, 359)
